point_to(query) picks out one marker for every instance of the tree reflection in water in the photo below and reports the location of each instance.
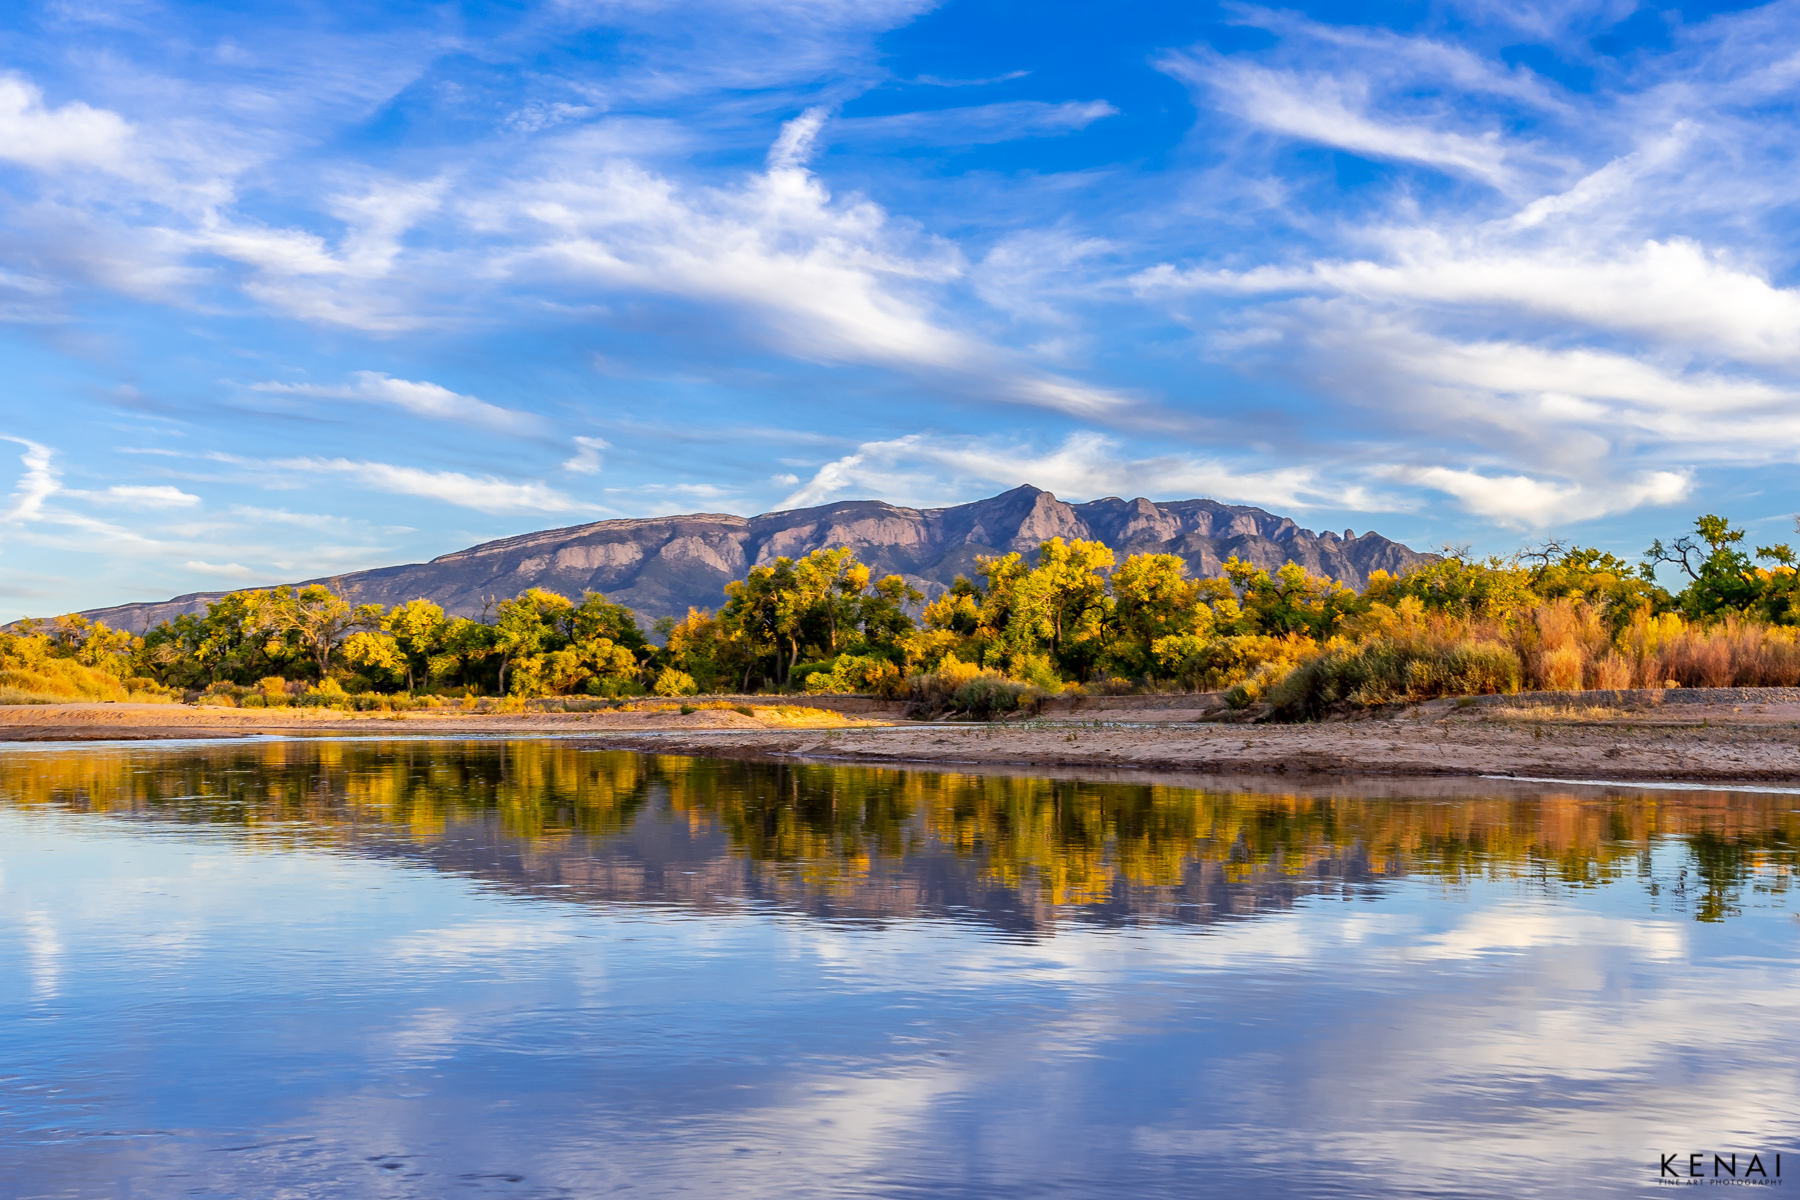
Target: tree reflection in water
(1020, 852)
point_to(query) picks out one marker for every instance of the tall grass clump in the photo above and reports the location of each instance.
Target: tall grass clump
(1732, 653)
(58, 681)
(988, 695)
(963, 687)
(1385, 670)
(1404, 654)
(1568, 647)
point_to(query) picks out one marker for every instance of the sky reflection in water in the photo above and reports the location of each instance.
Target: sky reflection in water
(538, 969)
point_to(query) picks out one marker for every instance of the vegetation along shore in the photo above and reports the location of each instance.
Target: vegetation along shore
(1087, 660)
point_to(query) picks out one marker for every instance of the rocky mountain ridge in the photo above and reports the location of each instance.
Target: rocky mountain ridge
(663, 565)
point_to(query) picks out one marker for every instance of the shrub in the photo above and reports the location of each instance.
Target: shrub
(934, 690)
(60, 680)
(1733, 653)
(1246, 692)
(1210, 664)
(675, 683)
(987, 694)
(855, 673)
(1382, 671)
(12, 695)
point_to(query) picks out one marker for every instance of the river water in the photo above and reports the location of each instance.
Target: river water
(545, 969)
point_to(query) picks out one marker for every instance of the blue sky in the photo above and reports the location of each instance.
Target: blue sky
(287, 291)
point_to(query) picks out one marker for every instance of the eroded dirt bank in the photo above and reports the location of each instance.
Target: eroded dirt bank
(1735, 738)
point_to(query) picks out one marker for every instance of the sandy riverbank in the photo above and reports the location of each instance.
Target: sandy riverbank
(1732, 738)
(144, 722)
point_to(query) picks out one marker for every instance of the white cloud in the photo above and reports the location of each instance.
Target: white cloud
(422, 398)
(37, 484)
(587, 459)
(221, 570)
(46, 138)
(706, 491)
(793, 146)
(1333, 111)
(1673, 292)
(923, 469)
(818, 276)
(482, 493)
(136, 497)
(829, 281)
(976, 125)
(534, 117)
(1620, 318)
(939, 81)
(1520, 501)
(1617, 179)
(1025, 273)
(324, 522)
(1558, 408)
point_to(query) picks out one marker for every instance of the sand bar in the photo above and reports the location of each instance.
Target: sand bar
(1699, 739)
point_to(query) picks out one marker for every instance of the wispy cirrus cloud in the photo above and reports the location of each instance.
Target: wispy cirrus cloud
(1475, 267)
(37, 484)
(137, 496)
(924, 469)
(1674, 292)
(235, 572)
(483, 493)
(1337, 111)
(419, 397)
(826, 280)
(587, 459)
(975, 125)
(1585, 339)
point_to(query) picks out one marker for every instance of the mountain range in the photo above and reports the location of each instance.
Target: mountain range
(663, 565)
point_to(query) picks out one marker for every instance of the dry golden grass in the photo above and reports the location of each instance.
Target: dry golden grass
(797, 716)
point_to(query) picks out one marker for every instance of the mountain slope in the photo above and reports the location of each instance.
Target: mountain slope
(662, 565)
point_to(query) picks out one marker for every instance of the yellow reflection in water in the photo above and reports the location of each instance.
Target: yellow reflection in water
(822, 828)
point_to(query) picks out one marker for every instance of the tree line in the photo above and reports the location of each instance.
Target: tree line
(1074, 615)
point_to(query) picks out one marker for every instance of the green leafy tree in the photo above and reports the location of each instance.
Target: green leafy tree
(1291, 601)
(1491, 589)
(1061, 606)
(1153, 599)
(418, 629)
(881, 613)
(824, 604)
(376, 655)
(462, 650)
(521, 628)
(1721, 577)
(318, 617)
(1781, 583)
(763, 612)
(701, 648)
(546, 643)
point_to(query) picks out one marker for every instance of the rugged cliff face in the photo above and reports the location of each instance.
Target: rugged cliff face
(663, 565)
